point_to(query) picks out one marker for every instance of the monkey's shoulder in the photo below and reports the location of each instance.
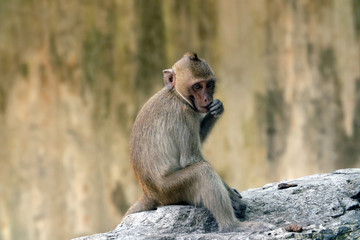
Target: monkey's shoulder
(165, 109)
(165, 104)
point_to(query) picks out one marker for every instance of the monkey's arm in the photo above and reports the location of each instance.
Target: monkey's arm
(206, 125)
(216, 108)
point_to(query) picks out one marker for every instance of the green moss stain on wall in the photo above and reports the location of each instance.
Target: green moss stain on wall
(356, 10)
(151, 55)
(349, 146)
(273, 120)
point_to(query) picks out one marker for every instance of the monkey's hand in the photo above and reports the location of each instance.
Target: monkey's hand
(216, 108)
(238, 204)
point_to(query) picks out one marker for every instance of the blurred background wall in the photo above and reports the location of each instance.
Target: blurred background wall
(74, 73)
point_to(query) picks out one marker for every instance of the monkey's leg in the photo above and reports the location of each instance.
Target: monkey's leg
(143, 204)
(199, 184)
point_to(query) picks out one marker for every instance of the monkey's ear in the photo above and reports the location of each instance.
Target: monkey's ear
(169, 78)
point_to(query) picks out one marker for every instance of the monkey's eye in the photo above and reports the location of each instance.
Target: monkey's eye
(210, 85)
(197, 86)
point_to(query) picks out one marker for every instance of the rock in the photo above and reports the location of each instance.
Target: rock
(324, 206)
(294, 228)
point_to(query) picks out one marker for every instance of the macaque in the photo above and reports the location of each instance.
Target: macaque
(165, 146)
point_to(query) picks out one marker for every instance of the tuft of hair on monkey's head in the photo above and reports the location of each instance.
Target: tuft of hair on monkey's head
(196, 66)
(192, 56)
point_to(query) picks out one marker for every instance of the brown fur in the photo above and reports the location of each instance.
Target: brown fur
(165, 153)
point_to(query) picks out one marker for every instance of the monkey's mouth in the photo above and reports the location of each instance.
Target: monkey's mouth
(203, 109)
(199, 108)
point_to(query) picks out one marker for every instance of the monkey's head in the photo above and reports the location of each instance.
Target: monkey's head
(193, 79)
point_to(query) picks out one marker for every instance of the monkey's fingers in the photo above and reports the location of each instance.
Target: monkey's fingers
(237, 193)
(217, 112)
(216, 108)
(215, 103)
(239, 213)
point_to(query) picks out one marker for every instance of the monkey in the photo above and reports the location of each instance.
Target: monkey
(165, 146)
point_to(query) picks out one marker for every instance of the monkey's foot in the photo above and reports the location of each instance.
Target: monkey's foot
(239, 208)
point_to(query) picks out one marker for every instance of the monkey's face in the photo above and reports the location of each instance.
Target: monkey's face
(201, 94)
(193, 79)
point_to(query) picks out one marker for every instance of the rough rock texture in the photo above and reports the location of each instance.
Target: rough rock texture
(326, 206)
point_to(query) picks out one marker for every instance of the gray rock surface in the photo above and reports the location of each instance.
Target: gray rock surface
(326, 206)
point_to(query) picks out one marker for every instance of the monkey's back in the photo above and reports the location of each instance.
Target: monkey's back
(161, 129)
